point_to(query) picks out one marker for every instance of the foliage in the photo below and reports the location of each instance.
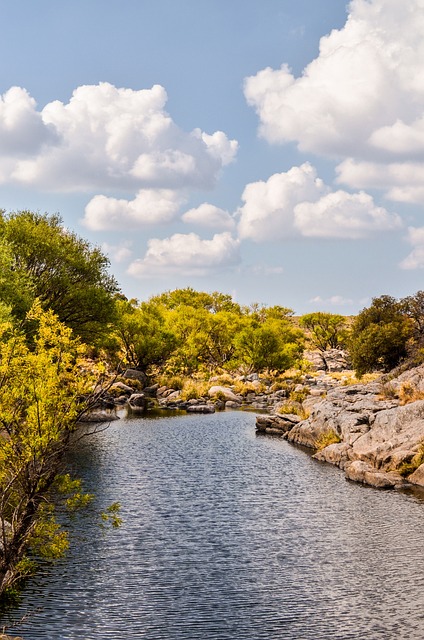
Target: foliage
(141, 330)
(41, 391)
(406, 468)
(326, 330)
(269, 345)
(327, 438)
(64, 271)
(379, 336)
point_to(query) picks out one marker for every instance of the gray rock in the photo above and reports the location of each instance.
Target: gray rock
(137, 402)
(200, 408)
(134, 374)
(227, 393)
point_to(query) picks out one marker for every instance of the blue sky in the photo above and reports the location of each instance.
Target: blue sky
(271, 149)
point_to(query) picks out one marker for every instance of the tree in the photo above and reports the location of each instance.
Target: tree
(269, 345)
(326, 330)
(41, 400)
(143, 335)
(67, 274)
(380, 335)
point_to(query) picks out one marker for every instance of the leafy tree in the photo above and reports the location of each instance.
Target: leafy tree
(16, 291)
(269, 345)
(67, 274)
(189, 297)
(143, 335)
(41, 391)
(326, 330)
(380, 335)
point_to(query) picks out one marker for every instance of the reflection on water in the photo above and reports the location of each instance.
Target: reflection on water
(229, 536)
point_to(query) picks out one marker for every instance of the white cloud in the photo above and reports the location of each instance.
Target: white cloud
(187, 254)
(208, 215)
(343, 215)
(299, 203)
(150, 206)
(120, 252)
(268, 210)
(105, 138)
(415, 260)
(361, 99)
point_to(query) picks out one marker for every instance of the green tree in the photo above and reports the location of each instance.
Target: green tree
(326, 330)
(41, 391)
(144, 338)
(380, 335)
(269, 345)
(67, 274)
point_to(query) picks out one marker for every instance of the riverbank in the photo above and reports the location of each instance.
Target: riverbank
(374, 432)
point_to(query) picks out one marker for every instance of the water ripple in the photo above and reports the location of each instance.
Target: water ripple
(227, 536)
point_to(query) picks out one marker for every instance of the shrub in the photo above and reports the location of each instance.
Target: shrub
(327, 438)
(406, 468)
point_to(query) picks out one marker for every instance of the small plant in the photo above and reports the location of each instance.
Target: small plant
(243, 388)
(294, 407)
(194, 389)
(327, 438)
(406, 468)
(408, 393)
(300, 395)
(388, 392)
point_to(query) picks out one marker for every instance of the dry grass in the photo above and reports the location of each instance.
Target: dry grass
(408, 393)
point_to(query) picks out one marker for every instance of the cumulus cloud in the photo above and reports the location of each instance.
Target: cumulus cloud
(360, 99)
(268, 209)
(207, 215)
(415, 260)
(343, 215)
(120, 252)
(187, 254)
(105, 138)
(150, 206)
(299, 203)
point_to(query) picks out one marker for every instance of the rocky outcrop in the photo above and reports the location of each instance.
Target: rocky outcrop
(378, 437)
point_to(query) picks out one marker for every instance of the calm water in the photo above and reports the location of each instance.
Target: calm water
(230, 536)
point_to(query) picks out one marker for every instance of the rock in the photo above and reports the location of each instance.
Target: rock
(225, 392)
(231, 404)
(362, 472)
(377, 435)
(418, 476)
(99, 416)
(151, 392)
(137, 402)
(200, 408)
(121, 388)
(277, 425)
(135, 374)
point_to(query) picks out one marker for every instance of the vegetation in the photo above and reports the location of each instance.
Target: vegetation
(41, 401)
(327, 438)
(325, 330)
(58, 303)
(380, 336)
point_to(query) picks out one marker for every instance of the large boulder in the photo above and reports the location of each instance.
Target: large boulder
(225, 393)
(135, 374)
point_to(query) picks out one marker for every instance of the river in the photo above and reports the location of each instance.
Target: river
(229, 536)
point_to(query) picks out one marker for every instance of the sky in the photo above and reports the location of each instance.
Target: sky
(268, 149)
